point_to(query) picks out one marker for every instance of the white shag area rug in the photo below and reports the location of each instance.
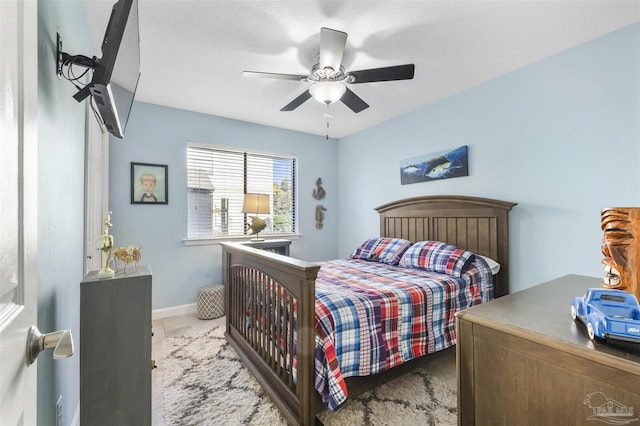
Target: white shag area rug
(205, 383)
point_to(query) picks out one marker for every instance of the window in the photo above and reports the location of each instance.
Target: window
(217, 180)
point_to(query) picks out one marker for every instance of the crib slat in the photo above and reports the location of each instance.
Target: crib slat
(273, 312)
(264, 320)
(290, 328)
(278, 331)
(254, 309)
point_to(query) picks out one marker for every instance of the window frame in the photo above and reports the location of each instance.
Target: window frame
(216, 239)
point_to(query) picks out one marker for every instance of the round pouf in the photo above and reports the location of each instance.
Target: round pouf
(211, 301)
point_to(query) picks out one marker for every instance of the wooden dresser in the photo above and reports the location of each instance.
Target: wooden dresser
(115, 349)
(522, 360)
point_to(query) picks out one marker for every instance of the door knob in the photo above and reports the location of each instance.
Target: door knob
(61, 341)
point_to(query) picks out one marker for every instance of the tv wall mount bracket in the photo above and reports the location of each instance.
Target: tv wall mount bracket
(63, 59)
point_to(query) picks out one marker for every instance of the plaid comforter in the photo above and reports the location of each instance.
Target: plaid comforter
(372, 316)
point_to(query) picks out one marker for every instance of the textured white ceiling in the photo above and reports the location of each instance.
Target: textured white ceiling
(193, 52)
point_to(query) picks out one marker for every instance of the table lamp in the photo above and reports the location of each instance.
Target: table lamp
(257, 204)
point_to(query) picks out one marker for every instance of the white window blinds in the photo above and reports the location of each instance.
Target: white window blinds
(217, 180)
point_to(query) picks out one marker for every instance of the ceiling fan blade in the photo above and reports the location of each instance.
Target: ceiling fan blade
(353, 101)
(295, 77)
(398, 72)
(297, 101)
(332, 43)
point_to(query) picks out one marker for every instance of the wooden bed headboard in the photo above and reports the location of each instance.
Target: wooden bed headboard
(480, 225)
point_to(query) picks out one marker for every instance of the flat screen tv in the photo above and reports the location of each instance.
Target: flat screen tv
(116, 74)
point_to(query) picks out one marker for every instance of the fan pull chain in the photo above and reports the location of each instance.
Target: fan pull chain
(327, 115)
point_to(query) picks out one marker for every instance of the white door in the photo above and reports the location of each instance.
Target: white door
(18, 207)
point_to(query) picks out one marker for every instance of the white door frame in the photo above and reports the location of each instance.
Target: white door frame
(96, 188)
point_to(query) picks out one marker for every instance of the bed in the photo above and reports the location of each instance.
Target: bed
(270, 300)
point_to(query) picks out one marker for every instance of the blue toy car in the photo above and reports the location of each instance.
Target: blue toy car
(608, 314)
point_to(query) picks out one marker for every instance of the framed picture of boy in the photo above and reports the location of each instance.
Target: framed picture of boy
(149, 183)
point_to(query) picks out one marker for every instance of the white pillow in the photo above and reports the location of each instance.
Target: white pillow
(495, 266)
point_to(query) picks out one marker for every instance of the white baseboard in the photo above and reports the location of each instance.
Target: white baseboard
(174, 311)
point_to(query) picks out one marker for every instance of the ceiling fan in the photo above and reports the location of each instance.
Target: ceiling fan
(328, 76)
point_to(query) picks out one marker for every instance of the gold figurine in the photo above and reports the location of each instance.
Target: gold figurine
(127, 255)
(105, 243)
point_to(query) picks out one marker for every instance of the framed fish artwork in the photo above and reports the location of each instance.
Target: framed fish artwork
(435, 166)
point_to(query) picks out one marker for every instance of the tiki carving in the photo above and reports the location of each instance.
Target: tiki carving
(621, 248)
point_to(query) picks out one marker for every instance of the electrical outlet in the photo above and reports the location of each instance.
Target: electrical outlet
(59, 411)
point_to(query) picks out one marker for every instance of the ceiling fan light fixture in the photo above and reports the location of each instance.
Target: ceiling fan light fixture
(327, 92)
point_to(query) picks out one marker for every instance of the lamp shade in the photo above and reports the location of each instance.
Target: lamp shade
(327, 92)
(256, 203)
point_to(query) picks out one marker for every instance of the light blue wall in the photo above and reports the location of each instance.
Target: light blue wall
(159, 135)
(60, 203)
(560, 137)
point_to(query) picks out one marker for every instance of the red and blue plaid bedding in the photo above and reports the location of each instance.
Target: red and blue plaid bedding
(372, 316)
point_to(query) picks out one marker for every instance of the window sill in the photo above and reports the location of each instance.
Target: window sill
(217, 240)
